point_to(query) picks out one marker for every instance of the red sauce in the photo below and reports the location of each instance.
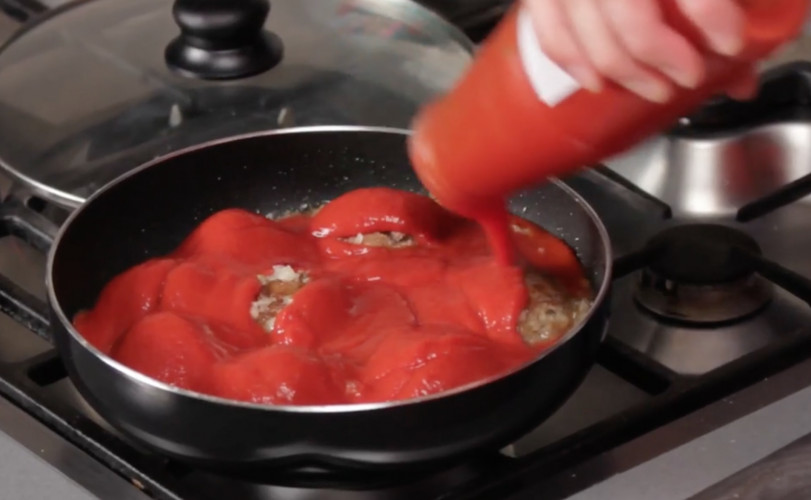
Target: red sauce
(492, 134)
(370, 324)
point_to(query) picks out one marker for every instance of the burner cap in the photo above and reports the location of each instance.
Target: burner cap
(694, 276)
(701, 254)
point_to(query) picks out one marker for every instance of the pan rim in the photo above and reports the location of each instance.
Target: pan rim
(55, 305)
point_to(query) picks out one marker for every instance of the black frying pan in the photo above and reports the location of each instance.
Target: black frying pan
(149, 211)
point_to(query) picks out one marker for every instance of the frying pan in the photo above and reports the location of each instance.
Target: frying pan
(148, 211)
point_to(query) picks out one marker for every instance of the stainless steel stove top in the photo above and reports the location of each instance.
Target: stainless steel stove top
(651, 373)
(672, 407)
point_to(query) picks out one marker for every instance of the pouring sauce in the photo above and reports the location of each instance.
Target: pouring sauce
(379, 295)
(516, 119)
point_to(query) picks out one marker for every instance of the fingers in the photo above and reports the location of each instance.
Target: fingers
(558, 41)
(722, 23)
(602, 44)
(625, 41)
(640, 28)
(629, 43)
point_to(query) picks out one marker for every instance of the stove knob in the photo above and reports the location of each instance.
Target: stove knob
(222, 39)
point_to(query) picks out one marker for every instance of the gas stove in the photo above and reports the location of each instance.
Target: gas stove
(702, 382)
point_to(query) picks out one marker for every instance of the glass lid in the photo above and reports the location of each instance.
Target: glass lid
(92, 90)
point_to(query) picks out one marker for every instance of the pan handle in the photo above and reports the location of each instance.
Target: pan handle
(36, 230)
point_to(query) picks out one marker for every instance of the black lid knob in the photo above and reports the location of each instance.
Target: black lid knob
(222, 39)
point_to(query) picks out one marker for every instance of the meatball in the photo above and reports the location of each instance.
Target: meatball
(277, 292)
(551, 311)
(388, 239)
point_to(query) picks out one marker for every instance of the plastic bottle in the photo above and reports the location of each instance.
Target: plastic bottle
(516, 118)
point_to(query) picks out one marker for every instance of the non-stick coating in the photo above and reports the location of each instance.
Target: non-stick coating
(148, 212)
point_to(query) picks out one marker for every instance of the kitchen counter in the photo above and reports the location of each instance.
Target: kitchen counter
(37, 463)
(784, 475)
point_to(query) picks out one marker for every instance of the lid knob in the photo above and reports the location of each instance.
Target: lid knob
(222, 39)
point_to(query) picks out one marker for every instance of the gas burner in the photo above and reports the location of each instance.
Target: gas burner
(695, 276)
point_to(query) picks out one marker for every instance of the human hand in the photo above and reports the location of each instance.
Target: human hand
(627, 42)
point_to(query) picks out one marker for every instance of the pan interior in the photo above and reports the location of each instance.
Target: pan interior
(148, 212)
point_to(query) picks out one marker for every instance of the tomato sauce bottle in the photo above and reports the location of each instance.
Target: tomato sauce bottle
(516, 118)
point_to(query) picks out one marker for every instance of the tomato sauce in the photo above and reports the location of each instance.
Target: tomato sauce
(499, 130)
(366, 323)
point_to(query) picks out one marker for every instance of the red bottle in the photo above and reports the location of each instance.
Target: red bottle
(516, 118)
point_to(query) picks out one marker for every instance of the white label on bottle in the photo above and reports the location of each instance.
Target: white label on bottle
(552, 84)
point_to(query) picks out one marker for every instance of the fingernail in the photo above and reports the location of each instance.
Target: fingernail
(586, 78)
(728, 45)
(683, 78)
(650, 90)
